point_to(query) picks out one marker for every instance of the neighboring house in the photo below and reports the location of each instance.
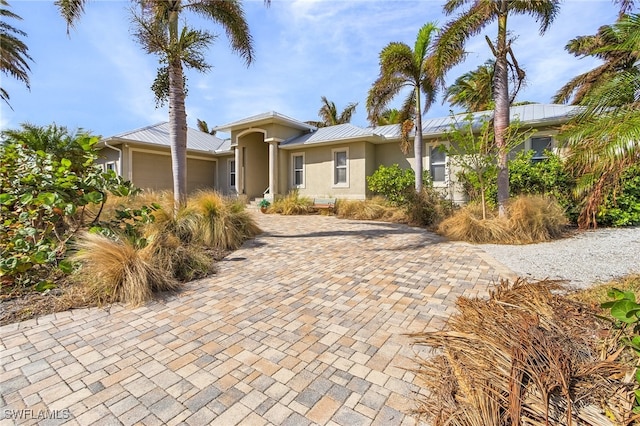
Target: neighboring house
(271, 154)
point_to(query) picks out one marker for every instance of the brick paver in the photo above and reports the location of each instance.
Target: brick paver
(306, 324)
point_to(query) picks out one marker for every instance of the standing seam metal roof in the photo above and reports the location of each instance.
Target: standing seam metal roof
(158, 134)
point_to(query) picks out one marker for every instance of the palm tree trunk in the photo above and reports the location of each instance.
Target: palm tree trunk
(501, 113)
(417, 142)
(177, 120)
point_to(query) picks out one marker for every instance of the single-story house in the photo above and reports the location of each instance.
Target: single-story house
(270, 154)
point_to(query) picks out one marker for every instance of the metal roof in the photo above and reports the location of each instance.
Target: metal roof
(158, 134)
(330, 134)
(530, 114)
(264, 118)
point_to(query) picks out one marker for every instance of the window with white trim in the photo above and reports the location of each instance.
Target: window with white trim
(341, 167)
(538, 145)
(111, 165)
(438, 164)
(297, 167)
(232, 173)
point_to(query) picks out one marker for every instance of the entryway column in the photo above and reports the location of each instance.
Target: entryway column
(273, 170)
(239, 171)
(273, 167)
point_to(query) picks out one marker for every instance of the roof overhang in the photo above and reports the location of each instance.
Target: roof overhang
(264, 119)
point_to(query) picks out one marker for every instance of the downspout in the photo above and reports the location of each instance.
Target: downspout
(106, 144)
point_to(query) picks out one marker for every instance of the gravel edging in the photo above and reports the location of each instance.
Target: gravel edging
(584, 259)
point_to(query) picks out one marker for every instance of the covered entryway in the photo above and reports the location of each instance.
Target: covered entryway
(252, 154)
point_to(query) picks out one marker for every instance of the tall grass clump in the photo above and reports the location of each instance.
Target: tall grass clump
(183, 262)
(376, 208)
(116, 271)
(530, 219)
(224, 224)
(536, 218)
(292, 204)
(525, 356)
(428, 208)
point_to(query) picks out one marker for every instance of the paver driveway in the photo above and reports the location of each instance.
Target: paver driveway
(303, 325)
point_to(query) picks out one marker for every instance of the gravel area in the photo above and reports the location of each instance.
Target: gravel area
(583, 259)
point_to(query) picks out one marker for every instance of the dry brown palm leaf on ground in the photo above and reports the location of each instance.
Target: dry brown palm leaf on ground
(525, 356)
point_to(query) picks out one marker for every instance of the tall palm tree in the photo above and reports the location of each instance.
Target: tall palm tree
(473, 90)
(450, 51)
(13, 51)
(604, 141)
(400, 68)
(600, 46)
(328, 114)
(160, 31)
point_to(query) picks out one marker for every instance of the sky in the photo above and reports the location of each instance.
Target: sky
(98, 78)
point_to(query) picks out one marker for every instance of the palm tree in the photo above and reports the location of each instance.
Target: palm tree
(389, 116)
(204, 127)
(161, 32)
(600, 45)
(473, 90)
(450, 52)
(329, 114)
(401, 67)
(604, 141)
(13, 51)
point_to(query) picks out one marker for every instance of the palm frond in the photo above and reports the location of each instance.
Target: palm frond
(14, 53)
(349, 110)
(543, 11)
(449, 45)
(384, 89)
(71, 11)
(230, 15)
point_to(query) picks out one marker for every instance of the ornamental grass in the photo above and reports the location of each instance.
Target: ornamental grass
(292, 204)
(530, 219)
(116, 271)
(376, 208)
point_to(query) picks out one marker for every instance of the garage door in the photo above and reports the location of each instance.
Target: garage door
(153, 171)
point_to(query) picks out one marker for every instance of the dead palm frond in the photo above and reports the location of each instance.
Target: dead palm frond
(524, 356)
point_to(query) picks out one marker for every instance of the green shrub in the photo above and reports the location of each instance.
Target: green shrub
(394, 183)
(623, 208)
(43, 200)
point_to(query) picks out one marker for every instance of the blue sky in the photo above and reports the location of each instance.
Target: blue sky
(98, 77)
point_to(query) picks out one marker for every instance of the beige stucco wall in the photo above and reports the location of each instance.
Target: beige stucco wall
(108, 155)
(319, 171)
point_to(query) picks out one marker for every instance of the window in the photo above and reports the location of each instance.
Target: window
(340, 167)
(438, 160)
(232, 173)
(110, 166)
(297, 162)
(536, 144)
(539, 145)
